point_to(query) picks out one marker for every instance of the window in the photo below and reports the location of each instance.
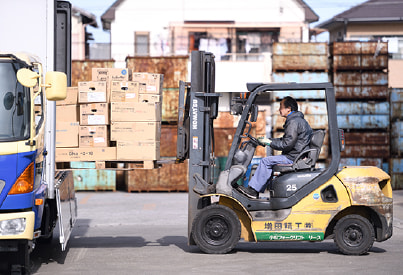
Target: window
(142, 43)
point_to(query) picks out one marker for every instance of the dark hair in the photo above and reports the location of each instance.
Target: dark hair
(290, 102)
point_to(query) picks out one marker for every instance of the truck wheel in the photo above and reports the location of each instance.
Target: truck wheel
(354, 235)
(216, 229)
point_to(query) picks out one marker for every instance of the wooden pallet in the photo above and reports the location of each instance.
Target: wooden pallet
(114, 165)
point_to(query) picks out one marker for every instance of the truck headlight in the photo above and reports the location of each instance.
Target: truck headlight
(12, 226)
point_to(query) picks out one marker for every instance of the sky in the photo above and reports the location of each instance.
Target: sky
(325, 9)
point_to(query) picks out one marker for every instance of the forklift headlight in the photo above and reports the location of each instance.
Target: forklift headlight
(12, 227)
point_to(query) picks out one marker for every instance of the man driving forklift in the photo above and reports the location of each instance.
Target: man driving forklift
(296, 138)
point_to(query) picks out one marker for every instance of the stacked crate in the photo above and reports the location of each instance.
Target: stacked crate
(361, 85)
(301, 63)
(116, 119)
(396, 117)
(136, 117)
(171, 176)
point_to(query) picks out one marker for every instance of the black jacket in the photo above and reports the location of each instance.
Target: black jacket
(297, 135)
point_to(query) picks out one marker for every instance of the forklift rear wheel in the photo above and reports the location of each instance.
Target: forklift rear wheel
(216, 229)
(354, 235)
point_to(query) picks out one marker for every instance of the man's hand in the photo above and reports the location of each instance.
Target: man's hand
(264, 140)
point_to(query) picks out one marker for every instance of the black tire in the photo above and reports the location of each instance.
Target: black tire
(216, 229)
(354, 235)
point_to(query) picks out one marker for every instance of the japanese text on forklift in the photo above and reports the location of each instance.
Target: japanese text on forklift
(33, 198)
(352, 205)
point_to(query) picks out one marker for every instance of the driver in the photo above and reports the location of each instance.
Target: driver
(296, 138)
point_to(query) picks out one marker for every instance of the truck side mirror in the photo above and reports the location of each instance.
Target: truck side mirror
(27, 77)
(56, 85)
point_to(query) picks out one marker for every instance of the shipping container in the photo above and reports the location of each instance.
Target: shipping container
(300, 77)
(354, 78)
(81, 70)
(300, 63)
(300, 49)
(87, 178)
(170, 177)
(174, 68)
(377, 162)
(302, 94)
(396, 104)
(366, 151)
(361, 92)
(397, 138)
(360, 62)
(362, 108)
(396, 173)
(363, 121)
(358, 48)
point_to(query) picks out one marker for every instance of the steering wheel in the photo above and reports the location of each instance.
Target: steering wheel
(248, 135)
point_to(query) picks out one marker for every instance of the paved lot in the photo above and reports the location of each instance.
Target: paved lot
(145, 233)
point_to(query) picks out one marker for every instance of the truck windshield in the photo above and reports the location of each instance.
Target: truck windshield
(14, 104)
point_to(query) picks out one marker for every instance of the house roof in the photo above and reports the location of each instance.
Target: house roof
(369, 11)
(109, 15)
(86, 17)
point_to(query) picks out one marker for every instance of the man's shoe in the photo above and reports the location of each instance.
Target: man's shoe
(249, 192)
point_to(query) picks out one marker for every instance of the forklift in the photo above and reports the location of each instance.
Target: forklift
(352, 205)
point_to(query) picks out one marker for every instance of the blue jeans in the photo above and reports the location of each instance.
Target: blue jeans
(263, 172)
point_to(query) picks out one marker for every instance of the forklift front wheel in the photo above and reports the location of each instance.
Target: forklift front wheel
(354, 235)
(216, 229)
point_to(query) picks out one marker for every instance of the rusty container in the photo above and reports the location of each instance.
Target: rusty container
(362, 108)
(397, 138)
(300, 63)
(358, 48)
(363, 121)
(396, 104)
(396, 173)
(300, 49)
(81, 70)
(170, 100)
(360, 62)
(170, 177)
(377, 162)
(346, 78)
(87, 178)
(300, 57)
(366, 145)
(361, 92)
(300, 77)
(169, 135)
(174, 68)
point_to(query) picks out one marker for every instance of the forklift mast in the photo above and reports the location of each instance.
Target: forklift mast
(198, 107)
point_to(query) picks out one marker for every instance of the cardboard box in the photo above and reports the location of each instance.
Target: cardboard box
(66, 134)
(67, 113)
(93, 136)
(138, 150)
(71, 98)
(153, 82)
(111, 74)
(150, 98)
(94, 114)
(135, 111)
(92, 91)
(124, 91)
(136, 131)
(85, 154)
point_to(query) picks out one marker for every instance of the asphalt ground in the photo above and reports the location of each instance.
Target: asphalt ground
(146, 233)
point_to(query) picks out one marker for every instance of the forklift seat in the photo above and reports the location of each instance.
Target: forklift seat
(242, 159)
(306, 160)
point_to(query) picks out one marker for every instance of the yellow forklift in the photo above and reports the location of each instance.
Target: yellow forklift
(352, 205)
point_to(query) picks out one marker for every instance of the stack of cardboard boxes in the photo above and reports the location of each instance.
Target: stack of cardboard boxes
(114, 117)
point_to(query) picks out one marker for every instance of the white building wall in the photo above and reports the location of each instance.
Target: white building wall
(155, 16)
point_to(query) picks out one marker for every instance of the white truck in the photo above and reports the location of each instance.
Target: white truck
(35, 41)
